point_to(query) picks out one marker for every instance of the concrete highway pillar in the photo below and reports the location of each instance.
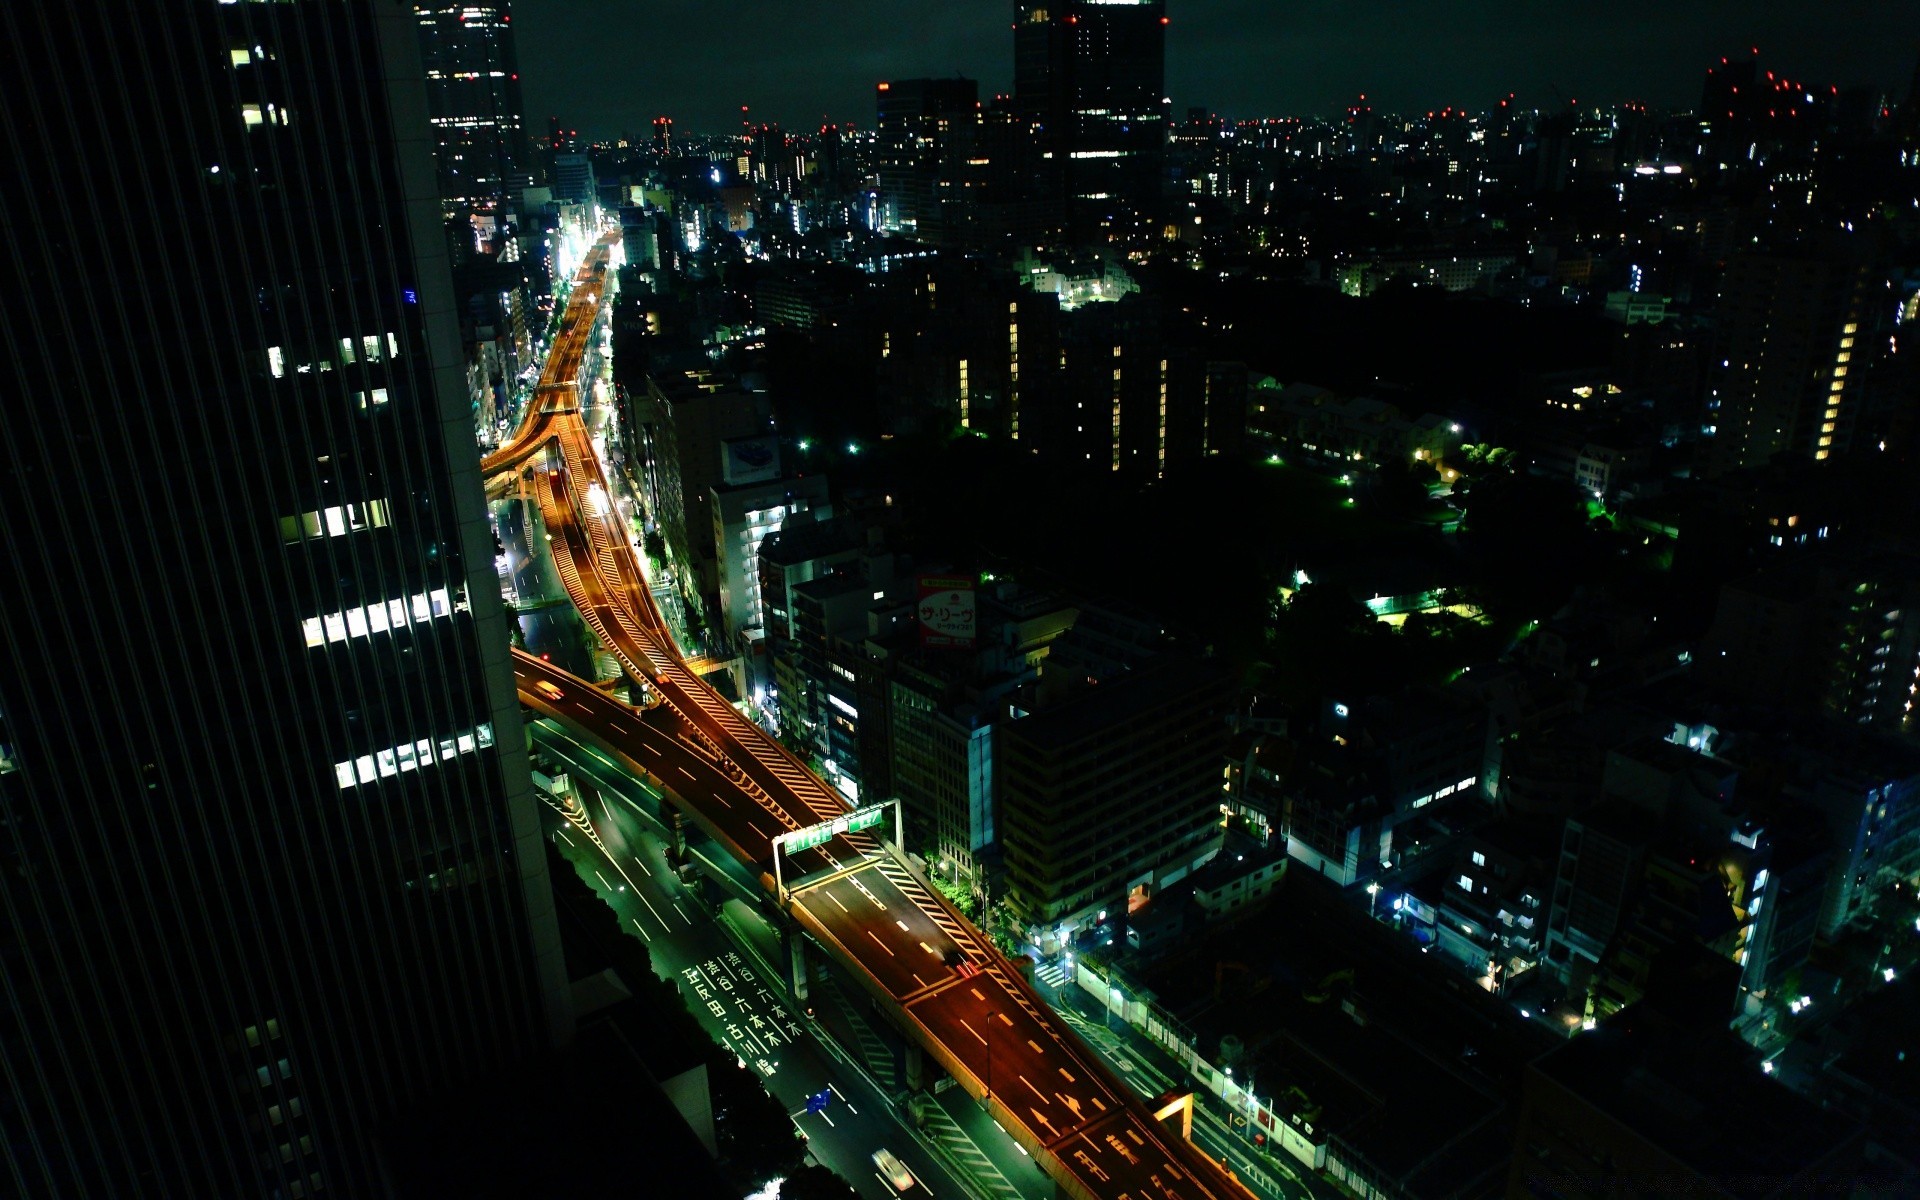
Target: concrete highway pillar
(796, 962)
(916, 1067)
(676, 836)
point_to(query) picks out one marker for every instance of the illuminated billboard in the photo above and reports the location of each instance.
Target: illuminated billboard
(947, 612)
(753, 459)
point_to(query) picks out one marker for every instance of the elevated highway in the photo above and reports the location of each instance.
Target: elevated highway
(857, 896)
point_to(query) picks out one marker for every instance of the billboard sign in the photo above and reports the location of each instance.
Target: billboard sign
(947, 611)
(751, 459)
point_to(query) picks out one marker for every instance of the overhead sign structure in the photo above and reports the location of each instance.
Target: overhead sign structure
(858, 821)
(947, 614)
(817, 835)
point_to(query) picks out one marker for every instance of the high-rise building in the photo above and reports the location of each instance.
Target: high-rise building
(473, 100)
(272, 870)
(1112, 794)
(1089, 82)
(697, 425)
(1787, 381)
(573, 178)
(925, 131)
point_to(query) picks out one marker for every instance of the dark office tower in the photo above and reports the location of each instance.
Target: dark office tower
(1787, 380)
(827, 174)
(925, 130)
(271, 872)
(473, 100)
(1089, 80)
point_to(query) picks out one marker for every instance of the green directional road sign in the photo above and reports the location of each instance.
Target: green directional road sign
(826, 831)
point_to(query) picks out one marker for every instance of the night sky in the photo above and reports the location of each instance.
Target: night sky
(609, 66)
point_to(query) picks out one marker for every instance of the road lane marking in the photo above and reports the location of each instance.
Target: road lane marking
(836, 900)
(923, 945)
(881, 944)
(643, 864)
(682, 912)
(917, 979)
(970, 1029)
(904, 929)
(564, 837)
(655, 912)
(684, 771)
(978, 994)
(644, 935)
(1066, 1075)
(1044, 1098)
(843, 1099)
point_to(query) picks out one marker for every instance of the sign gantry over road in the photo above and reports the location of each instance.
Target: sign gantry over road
(808, 837)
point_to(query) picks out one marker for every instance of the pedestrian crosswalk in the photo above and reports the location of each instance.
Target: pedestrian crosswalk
(954, 1144)
(1054, 976)
(873, 1048)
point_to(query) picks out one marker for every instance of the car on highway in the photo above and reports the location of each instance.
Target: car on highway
(548, 690)
(893, 1170)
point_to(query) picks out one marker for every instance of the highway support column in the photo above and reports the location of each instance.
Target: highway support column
(916, 1067)
(796, 961)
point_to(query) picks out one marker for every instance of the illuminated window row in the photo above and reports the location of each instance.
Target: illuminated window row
(1449, 790)
(352, 350)
(335, 521)
(376, 618)
(411, 757)
(255, 115)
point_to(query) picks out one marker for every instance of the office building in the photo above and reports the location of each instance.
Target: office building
(744, 514)
(926, 130)
(1378, 768)
(1089, 85)
(1112, 793)
(837, 706)
(700, 429)
(272, 872)
(573, 179)
(473, 99)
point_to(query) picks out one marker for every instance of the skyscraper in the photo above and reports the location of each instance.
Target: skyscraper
(473, 100)
(1089, 80)
(272, 872)
(925, 130)
(1787, 381)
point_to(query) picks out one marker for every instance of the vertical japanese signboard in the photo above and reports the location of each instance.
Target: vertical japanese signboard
(946, 610)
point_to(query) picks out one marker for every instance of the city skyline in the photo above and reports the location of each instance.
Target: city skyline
(1233, 58)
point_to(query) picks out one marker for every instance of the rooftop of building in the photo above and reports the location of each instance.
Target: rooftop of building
(1699, 1098)
(1161, 683)
(802, 538)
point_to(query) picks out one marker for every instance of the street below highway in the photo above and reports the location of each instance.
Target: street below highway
(739, 999)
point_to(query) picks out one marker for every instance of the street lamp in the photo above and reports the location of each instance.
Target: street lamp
(1373, 897)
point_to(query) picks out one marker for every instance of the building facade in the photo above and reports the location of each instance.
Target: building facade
(1112, 793)
(1089, 83)
(473, 99)
(273, 870)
